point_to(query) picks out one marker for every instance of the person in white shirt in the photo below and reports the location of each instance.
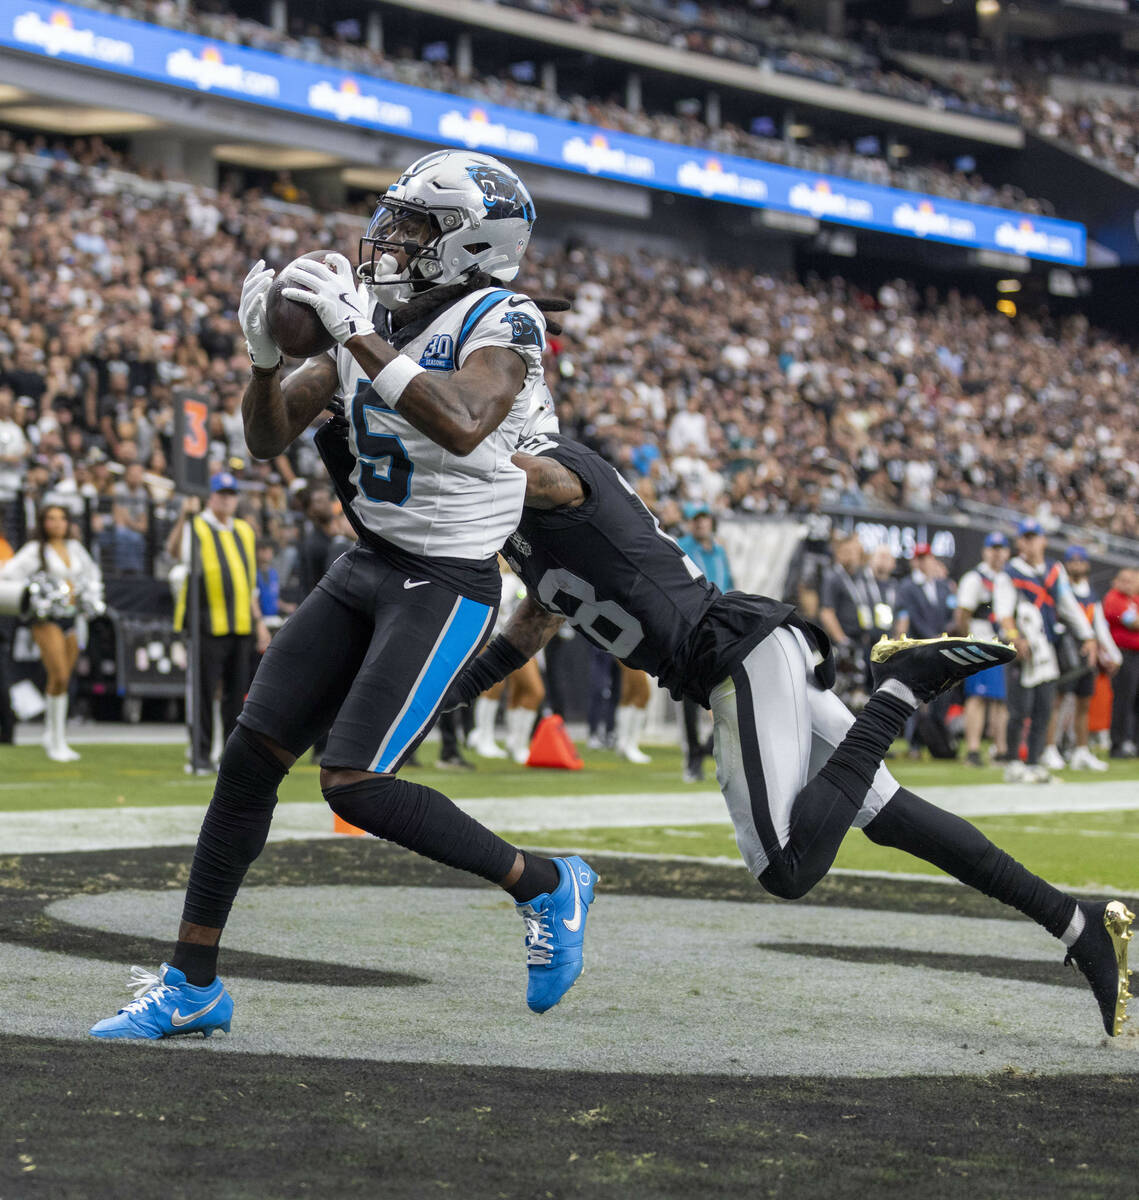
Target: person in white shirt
(64, 559)
(13, 449)
(1076, 688)
(974, 615)
(1043, 599)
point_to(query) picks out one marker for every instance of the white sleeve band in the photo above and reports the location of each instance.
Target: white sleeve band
(392, 381)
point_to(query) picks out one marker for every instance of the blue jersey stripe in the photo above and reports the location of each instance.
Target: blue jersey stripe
(461, 635)
(475, 315)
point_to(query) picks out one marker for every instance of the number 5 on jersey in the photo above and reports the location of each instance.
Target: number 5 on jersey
(385, 469)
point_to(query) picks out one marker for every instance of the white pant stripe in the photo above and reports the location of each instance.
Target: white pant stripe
(797, 725)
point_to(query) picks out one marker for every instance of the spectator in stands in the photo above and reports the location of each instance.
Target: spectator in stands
(985, 693)
(122, 538)
(710, 556)
(131, 500)
(1043, 599)
(1121, 609)
(13, 451)
(57, 556)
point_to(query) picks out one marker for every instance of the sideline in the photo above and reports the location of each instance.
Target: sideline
(71, 829)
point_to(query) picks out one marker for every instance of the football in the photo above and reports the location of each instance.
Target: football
(295, 327)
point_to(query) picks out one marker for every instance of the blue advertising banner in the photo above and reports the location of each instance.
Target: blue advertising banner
(166, 56)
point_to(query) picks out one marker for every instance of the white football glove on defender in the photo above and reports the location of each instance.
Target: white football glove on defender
(332, 291)
(263, 351)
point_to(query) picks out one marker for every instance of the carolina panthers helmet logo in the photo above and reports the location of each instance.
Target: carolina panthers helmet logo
(503, 194)
(524, 329)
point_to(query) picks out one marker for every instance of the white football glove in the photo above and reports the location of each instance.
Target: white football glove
(332, 291)
(263, 351)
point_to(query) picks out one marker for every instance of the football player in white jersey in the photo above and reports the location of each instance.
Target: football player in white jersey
(438, 371)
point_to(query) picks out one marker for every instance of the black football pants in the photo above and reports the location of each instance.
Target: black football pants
(228, 661)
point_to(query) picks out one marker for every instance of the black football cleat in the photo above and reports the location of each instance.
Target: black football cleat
(1100, 952)
(931, 666)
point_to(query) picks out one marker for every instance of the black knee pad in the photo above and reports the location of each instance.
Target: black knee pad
(248, 764)
(367, 804)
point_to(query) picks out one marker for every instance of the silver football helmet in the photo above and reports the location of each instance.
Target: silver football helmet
(451, 212)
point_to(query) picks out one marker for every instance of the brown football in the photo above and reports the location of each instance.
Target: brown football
(295, 327)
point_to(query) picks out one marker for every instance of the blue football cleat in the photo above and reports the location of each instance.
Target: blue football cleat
(165, 1005)
(555, 930)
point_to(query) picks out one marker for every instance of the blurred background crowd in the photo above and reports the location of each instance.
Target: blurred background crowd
(786, 395)
(718, 390)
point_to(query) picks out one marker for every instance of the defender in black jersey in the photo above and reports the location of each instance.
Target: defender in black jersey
(797, 769)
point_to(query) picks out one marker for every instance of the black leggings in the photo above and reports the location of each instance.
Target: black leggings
(1035, 706)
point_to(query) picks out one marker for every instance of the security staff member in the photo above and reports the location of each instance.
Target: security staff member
(229, 609)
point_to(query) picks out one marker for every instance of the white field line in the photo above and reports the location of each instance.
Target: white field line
(178, 825)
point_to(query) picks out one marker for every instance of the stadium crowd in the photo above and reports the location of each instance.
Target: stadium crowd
(722, 31)
(1100, 128)
(340, 45)
(787, 394)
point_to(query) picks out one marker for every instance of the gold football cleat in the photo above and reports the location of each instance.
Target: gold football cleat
(1117, 919)
(885, 647)
(930, 666)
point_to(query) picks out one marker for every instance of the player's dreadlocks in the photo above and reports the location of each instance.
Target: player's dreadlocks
(430, 299)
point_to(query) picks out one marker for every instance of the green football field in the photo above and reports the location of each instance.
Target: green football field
(919, 1034)
(1090, 850)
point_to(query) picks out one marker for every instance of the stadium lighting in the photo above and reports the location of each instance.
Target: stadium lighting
(1008, 285)
(63, 118)
(273, 158)
(988, 8)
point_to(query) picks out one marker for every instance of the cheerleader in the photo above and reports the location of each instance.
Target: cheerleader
(65, 581)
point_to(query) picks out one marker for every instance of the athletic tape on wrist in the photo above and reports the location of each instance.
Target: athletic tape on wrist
(392, 381)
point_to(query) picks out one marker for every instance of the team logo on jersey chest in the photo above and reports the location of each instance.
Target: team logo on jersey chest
(517, 545)
(439, 353)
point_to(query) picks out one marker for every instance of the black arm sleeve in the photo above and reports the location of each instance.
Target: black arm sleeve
(499, 659)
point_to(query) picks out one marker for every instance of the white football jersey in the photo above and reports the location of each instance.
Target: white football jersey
(411, 491)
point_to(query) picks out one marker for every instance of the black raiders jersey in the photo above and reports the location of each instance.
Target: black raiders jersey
(624, 584)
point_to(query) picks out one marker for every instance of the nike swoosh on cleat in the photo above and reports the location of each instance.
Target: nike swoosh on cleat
(574, 925)
(407, 583)
(177, 1020)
